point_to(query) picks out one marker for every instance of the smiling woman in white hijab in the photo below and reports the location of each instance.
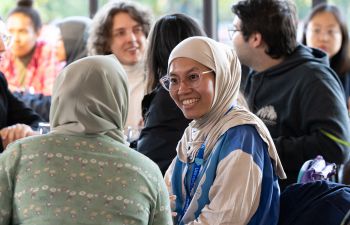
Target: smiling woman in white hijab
(82, 172)
(226, 170)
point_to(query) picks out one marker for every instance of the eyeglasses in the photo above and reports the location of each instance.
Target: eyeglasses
(7, 39)
(232, 31)
(319, 31)
(172, 83)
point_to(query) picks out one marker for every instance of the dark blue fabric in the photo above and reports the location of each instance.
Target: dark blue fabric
(319, 202)
(38, 102)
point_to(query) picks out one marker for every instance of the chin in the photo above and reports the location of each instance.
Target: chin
(132, 62)
(191, 116)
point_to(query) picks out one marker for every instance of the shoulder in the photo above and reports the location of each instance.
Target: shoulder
(242, 135)
(130, 157)
(242, 142)
(244, 138)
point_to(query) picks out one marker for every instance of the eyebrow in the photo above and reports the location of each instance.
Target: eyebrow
(330, 25)
(124, 28)
(187, 71)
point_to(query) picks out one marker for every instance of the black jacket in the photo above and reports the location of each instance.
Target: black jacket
(345, 79)
(318, 202)
(297, 100)
(38, 102)
(14, 111)
(164, 127)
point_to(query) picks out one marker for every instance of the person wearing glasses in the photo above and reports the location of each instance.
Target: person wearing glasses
(227, 167)
(291, 87)
(121, 28)
(16, 120)
(164, 122)
(326, 29)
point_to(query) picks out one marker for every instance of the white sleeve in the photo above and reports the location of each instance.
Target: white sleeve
(235, 194)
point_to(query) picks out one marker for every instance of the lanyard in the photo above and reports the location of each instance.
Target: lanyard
(198, 161)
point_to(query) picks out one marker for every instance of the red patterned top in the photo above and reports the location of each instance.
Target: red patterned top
(41, 70)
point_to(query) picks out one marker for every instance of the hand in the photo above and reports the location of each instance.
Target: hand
(14, 132)
(172, 203)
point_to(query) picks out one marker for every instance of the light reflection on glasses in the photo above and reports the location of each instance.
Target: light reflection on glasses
(172, 83)
(7, 39)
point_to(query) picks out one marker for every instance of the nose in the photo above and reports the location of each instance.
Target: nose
(183, 87)
(132, 36)
(15, 36)
(324, 36)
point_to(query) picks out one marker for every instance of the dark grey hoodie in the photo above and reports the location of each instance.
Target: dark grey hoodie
(297, 100)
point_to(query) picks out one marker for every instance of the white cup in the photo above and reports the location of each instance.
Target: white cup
(132, 133)
(44, 128)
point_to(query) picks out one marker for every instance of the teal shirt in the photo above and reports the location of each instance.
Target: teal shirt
(66, 179)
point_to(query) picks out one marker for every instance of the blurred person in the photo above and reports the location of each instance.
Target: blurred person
(17, 120)
(121, 28)
(226, 167)
(291, 87)
(164, 121)
(326, 28)
(82, 172)
(30, 65)
(73, 34)
(72, 43)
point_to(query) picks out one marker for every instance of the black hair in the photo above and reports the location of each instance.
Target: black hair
(340, 62)
(275, 20)
(26, 7)
(166, 33)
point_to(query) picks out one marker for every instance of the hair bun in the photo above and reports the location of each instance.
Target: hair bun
(25, 3)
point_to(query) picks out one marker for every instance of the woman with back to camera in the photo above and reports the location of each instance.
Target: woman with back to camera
(326, 28)
(227, 165)
(82, 172)
(164, 122)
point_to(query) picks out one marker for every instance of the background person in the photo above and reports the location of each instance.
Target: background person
(82, 172)
(164, 121)
(326, 28)
(71, 46)
(74, 33)
(226, 167)
(17, 120)
(291, 88)
(121, 28)
(30, 65)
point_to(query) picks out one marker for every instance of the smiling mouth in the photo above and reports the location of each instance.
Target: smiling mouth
(131, 49)
(190, 101)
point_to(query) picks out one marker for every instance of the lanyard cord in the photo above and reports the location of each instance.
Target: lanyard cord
(198, 162)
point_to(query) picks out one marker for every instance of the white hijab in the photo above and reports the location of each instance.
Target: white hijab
(224, 62)
(90, 96)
